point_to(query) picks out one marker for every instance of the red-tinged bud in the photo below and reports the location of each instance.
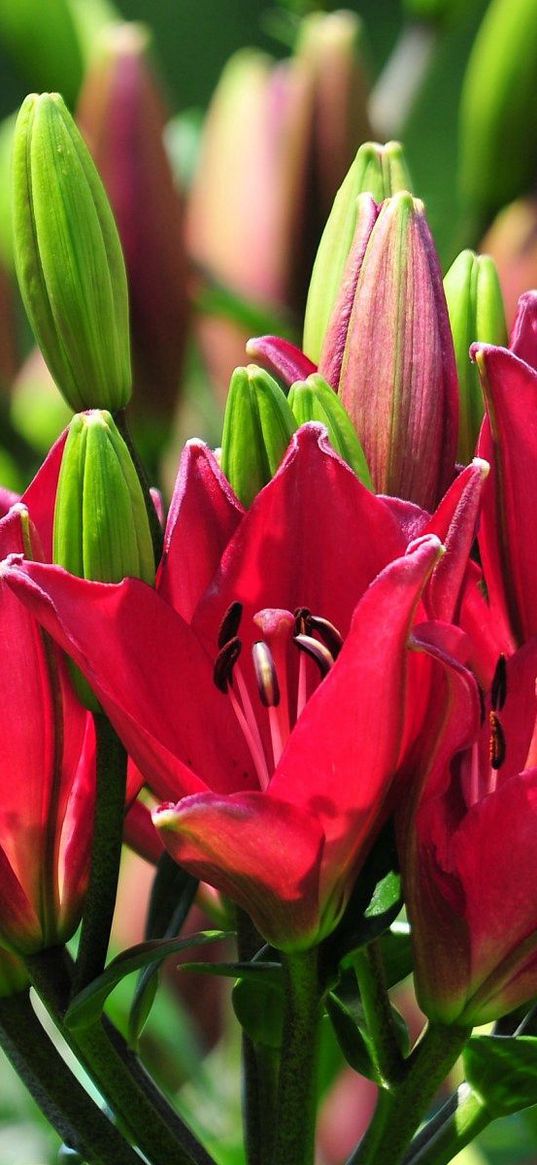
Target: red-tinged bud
(122, 116)
(388, 352)
(256, 228)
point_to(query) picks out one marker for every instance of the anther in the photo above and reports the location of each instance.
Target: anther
(266, 675)
(496, 742)
(498, 690)
(302, 621)
(316, 651)
(225, 662)
(328, 633)
(230, 624)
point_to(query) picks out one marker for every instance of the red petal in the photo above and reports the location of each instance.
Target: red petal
(40, 497)
(508, 531)
(523, 342)
(150, 673)
(281, 358)
(203, 515)
(263, 853)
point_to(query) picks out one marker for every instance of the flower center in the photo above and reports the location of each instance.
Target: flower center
(281, 679)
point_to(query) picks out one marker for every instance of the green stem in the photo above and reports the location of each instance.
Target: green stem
(469, 1118)
(369, 968)
(154, 1127)
(79, 1122)
(259, 1068)
(105, 854)
(297, 1091)
(400, 1112)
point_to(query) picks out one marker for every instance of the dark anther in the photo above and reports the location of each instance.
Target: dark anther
(482, 708)
(266, 675)
(497, 742)
(498, 691)
(328, 633)
(316, 651)
(225, 662)
(230, 624)
(302, 620)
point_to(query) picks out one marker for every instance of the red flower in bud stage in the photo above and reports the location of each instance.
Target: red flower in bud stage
(47, 751)
(508, 440)
(473, 916)
(224, 682)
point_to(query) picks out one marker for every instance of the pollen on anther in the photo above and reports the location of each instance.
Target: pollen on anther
(329, 634)
(230, 624)
(302, 620)
(316, 651)
(498, 692)
(225, 662)
(497, 747)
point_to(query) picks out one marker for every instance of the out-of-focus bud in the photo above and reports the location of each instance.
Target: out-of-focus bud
(498, 118)
(101, 527)
(388, 352)
(512, 243)
(379, 171)
(256, 228)
(43, 41)
(122, 117)
(476, 313)
(258, 425)
(314, 400)
(68, 258)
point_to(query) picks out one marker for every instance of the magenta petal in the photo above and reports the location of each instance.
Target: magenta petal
(150, 673)
(281, 358)
(343, 754)
(40, 496)
(455, 523)
(203, 515)
(523, 342)
(289, 550)
(263, 853)
(508, 530)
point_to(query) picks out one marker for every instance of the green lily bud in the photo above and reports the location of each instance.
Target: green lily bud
(68, 258)
(476, 313)
(258, 425)
(101, 527)
(43, 41)
(314, 400)
(498, 115)
(379, 171)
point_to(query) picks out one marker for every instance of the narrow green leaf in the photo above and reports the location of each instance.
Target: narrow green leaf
(258, 1004)
(86, 1007)
(349, 1036)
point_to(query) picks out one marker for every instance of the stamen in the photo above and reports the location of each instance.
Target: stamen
(329, 634)
(316, 651)
(266, 675)
(499, 685)
(225, 662)
(302, 621)
(230, 624)
(251, 735)
(497, 747)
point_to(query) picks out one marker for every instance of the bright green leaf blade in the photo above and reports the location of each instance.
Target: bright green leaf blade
(502, 1070)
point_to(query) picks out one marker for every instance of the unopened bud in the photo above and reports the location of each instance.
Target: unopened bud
(388, 352)
(476, 313)
(101, 527)
(314, 400)
(258, 425)
(379, 171)
(68, 258)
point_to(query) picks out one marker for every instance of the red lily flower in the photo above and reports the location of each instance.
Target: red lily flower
(278, 802)
(508, 440)
(46, 774)
(474, 923)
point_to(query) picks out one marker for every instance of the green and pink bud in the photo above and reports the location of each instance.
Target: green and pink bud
(388, 352)
(476, 314)
(377, 170)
